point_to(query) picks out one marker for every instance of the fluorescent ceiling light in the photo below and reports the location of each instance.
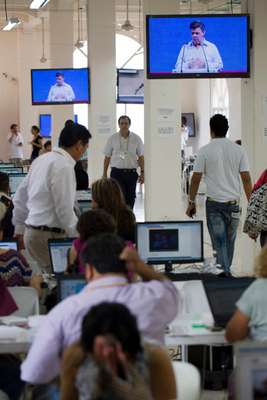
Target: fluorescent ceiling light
(11, 23)
(35, 4)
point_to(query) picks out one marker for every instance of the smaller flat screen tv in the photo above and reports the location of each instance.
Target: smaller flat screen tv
(60, 86)
(198, 46)
(45, 123)
(190, 123)
(130, 86)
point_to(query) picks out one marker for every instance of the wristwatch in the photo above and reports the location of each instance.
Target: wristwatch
(191, 201)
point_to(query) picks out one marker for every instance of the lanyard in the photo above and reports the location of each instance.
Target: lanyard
(106, 286)
(127, 144)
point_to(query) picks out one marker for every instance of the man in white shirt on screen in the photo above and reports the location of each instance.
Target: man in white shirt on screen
(61, 91)
(222, 162)
(44, 201)
(16, 143)
(199, 55)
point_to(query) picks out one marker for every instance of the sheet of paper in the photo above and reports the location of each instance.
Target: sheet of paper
(103, 124)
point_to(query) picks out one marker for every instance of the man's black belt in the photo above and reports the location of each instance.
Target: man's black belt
(125, 169)
(231, 202)
(45, 228)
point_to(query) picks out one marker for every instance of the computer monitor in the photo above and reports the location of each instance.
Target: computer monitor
(179, 242)
(84, 195)
(84, 205)
(9, 244)
(222, 295)
(45, 123)
(11, 170)
(251, 370)
(130, 86)
(6, 165)
(15, 180)
(69, 285)
(58, 250)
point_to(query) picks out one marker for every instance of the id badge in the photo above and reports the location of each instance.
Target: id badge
(122, 155)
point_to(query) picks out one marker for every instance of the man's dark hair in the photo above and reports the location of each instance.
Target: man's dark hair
(219, 125)
(13, 126)
(47, 143)
(124, 117)
(95, 222)
(72, 134)
(59, 74)
(35, 128)
(115, 321)
(103, 253)
(4, 182)
(69, 122)
(197, 24)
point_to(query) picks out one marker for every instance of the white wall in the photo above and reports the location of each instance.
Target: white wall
(9, 108)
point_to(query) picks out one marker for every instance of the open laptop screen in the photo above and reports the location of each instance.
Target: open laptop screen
(10, 244)
(251, 371)
(223, 294)
(69, 285)
(58, 250)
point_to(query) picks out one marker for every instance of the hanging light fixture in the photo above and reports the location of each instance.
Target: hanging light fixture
(127, 26)
(43, 59)
(80, 43)
(12, 22)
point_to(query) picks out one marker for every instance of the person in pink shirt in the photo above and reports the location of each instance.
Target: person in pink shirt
(91, 223)
(153, 300)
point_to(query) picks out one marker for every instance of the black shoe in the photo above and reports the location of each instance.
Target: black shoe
(225, 275)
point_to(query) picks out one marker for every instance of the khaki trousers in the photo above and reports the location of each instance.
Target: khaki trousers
(36, 243)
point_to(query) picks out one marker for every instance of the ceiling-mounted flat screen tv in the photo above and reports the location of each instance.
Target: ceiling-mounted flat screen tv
(60, 86)
(198, 46)
(130, 86)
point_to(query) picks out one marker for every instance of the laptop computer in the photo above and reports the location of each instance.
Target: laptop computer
(15, 180)
(84, 205)
(222, 296)
(58, 251)
(69, 285)
(251, 371)
(9, 244)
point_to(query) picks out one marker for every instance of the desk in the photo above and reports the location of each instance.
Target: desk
(194, 308)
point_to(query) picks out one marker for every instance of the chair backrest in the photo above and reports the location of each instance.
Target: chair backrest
(26, 299)
(187, 380)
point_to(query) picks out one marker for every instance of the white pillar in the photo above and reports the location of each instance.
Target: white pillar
(61, 56)
(102, 63)
(162, 160)
(254, 113)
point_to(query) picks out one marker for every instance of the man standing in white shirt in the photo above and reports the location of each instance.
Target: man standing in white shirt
(222, 162)
(44, 202)
(16, 144)
(60, 92)
(124, 152)
(198, 55)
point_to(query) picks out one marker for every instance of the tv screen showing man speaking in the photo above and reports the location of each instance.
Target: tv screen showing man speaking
(197, 46)
(60, 86)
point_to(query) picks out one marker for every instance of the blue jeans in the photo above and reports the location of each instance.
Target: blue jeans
(222, 221)
(50, 391)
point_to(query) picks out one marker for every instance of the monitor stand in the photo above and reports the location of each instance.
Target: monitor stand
(168, 266)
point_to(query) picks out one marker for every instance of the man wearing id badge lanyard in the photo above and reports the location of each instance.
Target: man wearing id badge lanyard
(222, 162)
(124, 152)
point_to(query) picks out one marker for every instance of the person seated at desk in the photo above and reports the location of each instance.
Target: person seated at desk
(90, 224)
(250, 318)
(106, 364)
(153, 300)
(6, 209)
(107, 194)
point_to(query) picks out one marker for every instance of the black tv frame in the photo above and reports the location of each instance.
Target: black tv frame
(118, 101)
(186, 114)
(51, 103)
(185, 75)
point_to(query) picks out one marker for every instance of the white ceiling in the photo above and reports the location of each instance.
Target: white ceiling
(21, 9)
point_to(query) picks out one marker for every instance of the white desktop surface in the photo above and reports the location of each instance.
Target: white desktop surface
(194, 310)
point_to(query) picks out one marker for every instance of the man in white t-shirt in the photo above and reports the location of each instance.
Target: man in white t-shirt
(16, 144)
(222, 162)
